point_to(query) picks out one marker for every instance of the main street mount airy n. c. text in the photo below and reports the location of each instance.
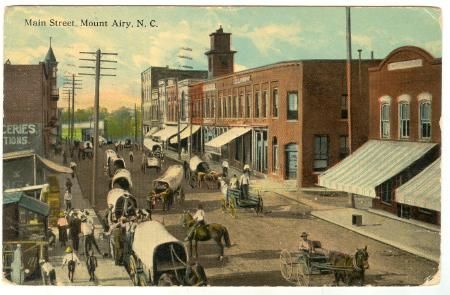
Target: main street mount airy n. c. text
(118, 23)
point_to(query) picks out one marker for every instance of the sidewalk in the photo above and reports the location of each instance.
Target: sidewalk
(410, 237)
(107, 273)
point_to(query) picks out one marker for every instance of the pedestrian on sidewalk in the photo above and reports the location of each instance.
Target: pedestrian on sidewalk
(62, 229)
(68, 200)
(117, 242)
(87, 230)
(49, 272)
(69, 185)
(71, 259)
(75, 230)
(73, 166)
(186, 169)
(91, 264)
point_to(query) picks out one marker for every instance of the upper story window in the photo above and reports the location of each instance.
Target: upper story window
(275, 103)
(344, 106)
(404, 115)
(385, 115)
(264, 104)
(235, 106)
(247, 105)
(241, 106)
(292, 103)
(219, 107)
(425, 119)
(320, 152)
(256, 104)
(343, 146)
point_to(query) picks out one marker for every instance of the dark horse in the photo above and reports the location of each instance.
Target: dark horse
(353, 267)
(212, 231)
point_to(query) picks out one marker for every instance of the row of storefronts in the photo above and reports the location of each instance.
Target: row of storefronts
(290, 121)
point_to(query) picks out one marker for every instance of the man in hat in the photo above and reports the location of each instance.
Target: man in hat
(91, 264)
(49, 271)
(75, 229)
(71, 259)
(305, 244)
(68, 199)
(199, 218)
(62, 229)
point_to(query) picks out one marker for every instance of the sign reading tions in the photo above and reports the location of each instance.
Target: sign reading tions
(17, 137)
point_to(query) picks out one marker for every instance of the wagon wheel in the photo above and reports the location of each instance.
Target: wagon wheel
(132, 265)
(303, 273)
(286, 265)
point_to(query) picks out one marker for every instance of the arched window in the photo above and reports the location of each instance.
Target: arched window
(404, 115)
(425, 119)
(385, 114)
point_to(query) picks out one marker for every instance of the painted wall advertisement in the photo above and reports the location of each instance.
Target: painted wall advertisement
(23, 136)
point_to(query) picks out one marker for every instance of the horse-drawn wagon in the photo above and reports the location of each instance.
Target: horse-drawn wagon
(86, 150)
(234, 200)
(156, 254)
(302, 267)
(168, 188)
(152, 156)
(200, 172)
(123, 203)
(122, 179)
(113, 162)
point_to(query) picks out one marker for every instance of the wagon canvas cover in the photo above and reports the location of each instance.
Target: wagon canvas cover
(173, 176)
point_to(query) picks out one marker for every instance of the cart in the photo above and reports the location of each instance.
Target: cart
(302, 267)
(113, 162)
(86, 150)
(155, 252)
(151, 162)
(199, 171)
(122, 179)
(233, 200)
(168, 188)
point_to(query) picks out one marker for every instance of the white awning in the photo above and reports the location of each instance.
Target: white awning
(166, 133)
(371, 165)
(185, 134)
(423, 190)
(151, 132)
(29, 188)
(54, 166)
(214, 145)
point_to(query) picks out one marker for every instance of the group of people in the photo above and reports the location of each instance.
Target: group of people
(243, 183)
(121, 232)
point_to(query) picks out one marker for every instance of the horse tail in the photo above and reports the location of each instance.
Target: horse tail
(226, 237)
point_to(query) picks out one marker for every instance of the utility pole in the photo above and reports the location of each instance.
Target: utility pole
(351, 199)
(68, 93)
(178, 118)
(135, 123)
(98, 54)
(72, 84)
(190, 122)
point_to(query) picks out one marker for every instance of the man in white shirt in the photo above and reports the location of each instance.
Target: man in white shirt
(71, 259)
(225, 168)
(87, 229)
(68, 200)
(305, 244)
(199, 218)
(244, 182)
(48, 270)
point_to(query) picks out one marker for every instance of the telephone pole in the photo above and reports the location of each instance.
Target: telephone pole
(98, 55)
(72, 84)
(68, 93)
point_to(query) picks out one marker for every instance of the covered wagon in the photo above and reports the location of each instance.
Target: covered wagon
(123, 203)
(200, 172)
(122, 179)
(155, 253)
(113, 162)
(168, 188)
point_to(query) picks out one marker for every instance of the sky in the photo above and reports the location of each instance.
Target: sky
(260, 35)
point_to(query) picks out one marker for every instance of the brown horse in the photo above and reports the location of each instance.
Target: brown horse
(213, 231)
(353, 267)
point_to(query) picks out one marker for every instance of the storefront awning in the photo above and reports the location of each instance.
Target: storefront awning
(26, 188)
(423, 190)
(166, 133)
(151, 132)
(214, 145)
(185, 134)
(18, 155)
(54, 166)
(371, 165)
(26, 202)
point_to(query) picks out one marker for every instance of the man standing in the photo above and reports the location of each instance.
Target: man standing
(73, 166)
(234, 182)
(69, 185)
(71, 259)
(87, 228)
(75, 229)
(17, 267)
(68, 200)
(225, 168)
(91, 264)
(131, 156)
(49, 272)
(245, 183)
(62, 229)
(186, 169)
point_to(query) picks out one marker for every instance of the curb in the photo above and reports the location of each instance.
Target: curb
(382, 240)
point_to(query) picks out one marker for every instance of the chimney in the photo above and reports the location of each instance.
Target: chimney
(371, 55)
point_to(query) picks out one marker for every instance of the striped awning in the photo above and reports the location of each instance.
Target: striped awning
(371, 165)
(166, 133)
(423, 190)
(186, 133)
(214, 145)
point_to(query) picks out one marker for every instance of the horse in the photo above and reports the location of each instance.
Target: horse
(212, 231)
(194, 275)
(353, 266)
(166, 197)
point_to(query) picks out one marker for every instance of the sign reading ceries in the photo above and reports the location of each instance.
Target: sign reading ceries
(414, 63)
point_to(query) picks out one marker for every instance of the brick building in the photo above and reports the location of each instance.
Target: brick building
(150, 104)
(399, 166)
(30, 106)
